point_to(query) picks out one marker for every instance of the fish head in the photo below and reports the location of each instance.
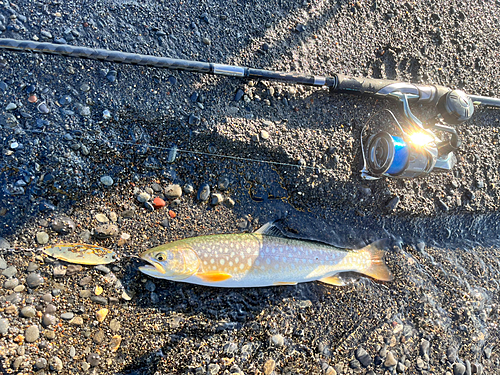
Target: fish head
(174, 261)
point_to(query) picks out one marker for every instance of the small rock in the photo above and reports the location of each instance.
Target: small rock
(114, 325)
(34, 280)
(98, 336)
(56, 364)
(216, 199)
(59, 270)
(42, 238)
(28, 312)
(106, 231)
(11, 283)
(158, 203)
(264, 134)
(31, 334)
(101, 315)
(277, 340)
(76, 321)
(93, 359)
(173, 191)
(9, 271)
(223, 183)
(203, 193)
(269, 366)
(63, 225)
(99, 300)
(213, 369)
(451, 354)
(229, 202)
(115, 342)
(239, 94)
(48, 320)
(393, 203)
(363, 357)
(458, 369)
(143, 197)
(67, 316)
(188, 189)
(206, 41)
(390, 361)
(101, 218)
(4, 326)
(41, 363)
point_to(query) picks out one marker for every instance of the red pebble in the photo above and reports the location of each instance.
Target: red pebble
(158, 202)
(172, 214)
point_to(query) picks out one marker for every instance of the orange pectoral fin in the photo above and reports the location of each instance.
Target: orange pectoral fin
(333, 280)
(214, 276)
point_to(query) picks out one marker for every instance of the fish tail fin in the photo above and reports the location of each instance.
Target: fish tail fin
(377, 268)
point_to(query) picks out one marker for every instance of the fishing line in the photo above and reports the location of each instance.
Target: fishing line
(195, 152)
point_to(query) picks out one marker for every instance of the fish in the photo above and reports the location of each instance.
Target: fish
(81, 253)
(263, 258)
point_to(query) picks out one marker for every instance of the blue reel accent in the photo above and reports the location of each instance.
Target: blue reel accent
(401, 154)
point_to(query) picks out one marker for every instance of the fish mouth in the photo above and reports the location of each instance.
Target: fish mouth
(152, 270)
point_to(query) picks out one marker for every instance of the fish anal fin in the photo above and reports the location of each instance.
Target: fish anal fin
(377, 269)
(277, 283)
(333, 280)
(213, 276)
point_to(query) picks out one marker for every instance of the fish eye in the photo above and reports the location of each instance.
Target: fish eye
(160, 257)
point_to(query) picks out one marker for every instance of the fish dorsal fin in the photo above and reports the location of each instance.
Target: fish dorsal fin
(270, 229)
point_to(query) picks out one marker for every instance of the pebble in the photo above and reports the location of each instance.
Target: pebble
(76, 321)
(72, 352)
(216, 199)
(114, 325)
(188, 189)
(85, 366)
(206, 41)
(41, 363)
(458, 369)
(99, 300)
(239, 94)
(67, 315)
(223, 183)
(102, 268)
(363, 357)
(229, 202)
(11, 283)
(98, 337)
(158, 203)
(451, 354)
(101, 218)
(42, 238)
(269, 366)
(59, 270)
(56, 364)
(277, 340)
(42, 108)
(63, 225)
(9, 271)
(203, 193)
(4, 326)
(213, 369)
(106, 180)
(10, 107)
(85, 281)
(93, 359)
(173, 191)
(264, 134)
(31, 334)
(34, 280)
(28, 312)
(106, 231)
(390, 361)
(101, 315)
(115, 342)
(48, 320)
(393, 203)
(3, 263)
(143, 197)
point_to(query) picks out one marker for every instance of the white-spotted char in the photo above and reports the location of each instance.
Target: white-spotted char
(263, 258)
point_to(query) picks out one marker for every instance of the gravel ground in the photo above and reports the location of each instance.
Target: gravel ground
(86, 147)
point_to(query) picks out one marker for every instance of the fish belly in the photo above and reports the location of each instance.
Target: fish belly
(254, 260)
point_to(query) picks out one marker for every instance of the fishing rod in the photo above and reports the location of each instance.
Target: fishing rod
(416, 151)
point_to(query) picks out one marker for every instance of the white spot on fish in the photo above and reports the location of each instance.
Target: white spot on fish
(230, 264)
(268, 260)
(236, 260)
(212, 261)
(242, 266)
(222, 261)
(249, 261)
